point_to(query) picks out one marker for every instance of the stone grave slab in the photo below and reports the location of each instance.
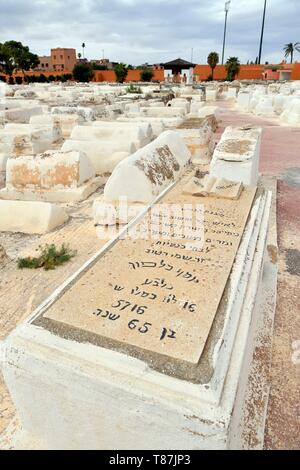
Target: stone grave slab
(161, 295)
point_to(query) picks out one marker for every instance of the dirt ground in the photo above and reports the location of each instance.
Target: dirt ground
(22, 291)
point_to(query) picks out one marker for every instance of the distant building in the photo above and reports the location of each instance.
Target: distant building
(45, 64)
(63, 59)
(60, 60)
(179, 70)
(82, 61)
(104, 62)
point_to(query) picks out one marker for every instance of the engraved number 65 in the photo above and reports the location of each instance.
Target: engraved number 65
(143, 329)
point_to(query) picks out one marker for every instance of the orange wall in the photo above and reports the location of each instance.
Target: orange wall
(47, 74)
(133, 76)
(203, 72)
(295, 72)
(247, 72)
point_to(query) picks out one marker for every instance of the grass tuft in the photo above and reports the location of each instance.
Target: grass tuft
(50, 257)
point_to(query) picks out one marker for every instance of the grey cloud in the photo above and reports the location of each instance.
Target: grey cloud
(150, 30)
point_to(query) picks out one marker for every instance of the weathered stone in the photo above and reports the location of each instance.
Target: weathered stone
(145, 174)
(30, 217)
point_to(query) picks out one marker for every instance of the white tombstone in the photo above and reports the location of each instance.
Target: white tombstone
(30, 217)
(3, 161)
(200, 142)
(264, 107)
(104, 155)
(53, 176)
(211, 95)
(156, 124)
(291, 115)
(243, 100)
(231, 93)
(236, 157)
(88, 114)
(165, 111)
(145, 174)
(122, 136)
(22, 115)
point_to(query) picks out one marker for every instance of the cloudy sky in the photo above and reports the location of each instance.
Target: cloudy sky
(138, 31)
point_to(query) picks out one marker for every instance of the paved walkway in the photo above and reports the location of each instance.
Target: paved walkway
(280, 157)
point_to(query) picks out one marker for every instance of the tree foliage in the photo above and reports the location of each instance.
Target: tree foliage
(83, 73)
(121, 71)
(232, 67)
(213, 60)
(147, 74)
(290, 49)
(15, 56)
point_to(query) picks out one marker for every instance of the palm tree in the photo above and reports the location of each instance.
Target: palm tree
(290, 49)
(79, 55)
(213, 60)
(232, 67)
(83, 47)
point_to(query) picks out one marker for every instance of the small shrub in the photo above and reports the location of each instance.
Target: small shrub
(83, 73)
(134, 89)
(147, 75)
(51, 78)
(2, 78)
(11, 81)
(42, 78)
(19, 80)
(209, 78)
(50, 257)
(121, 72)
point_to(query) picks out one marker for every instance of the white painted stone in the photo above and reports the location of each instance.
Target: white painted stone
(132, 108)
(121, 135)
(157, 124)
(208, 111)
(211, 95)
(26, 93)
(243, 100)
(116, 127)
(88, 114)
(3, 161)
(231, 93)
(14, 103)
(163, 112)
(67, 122)
(22, 115)
(14, 143)
(42, 137)
(264, 107)
(145, 174)
(236, 157)
(168, 122)
(30, 217)
(200, 142)
(103, 155)
(196, 106)
(180, 103)
(291, 115)
(50, 170)
(279, 102)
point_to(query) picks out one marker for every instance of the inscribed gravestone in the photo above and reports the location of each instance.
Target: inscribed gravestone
(161, 294)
